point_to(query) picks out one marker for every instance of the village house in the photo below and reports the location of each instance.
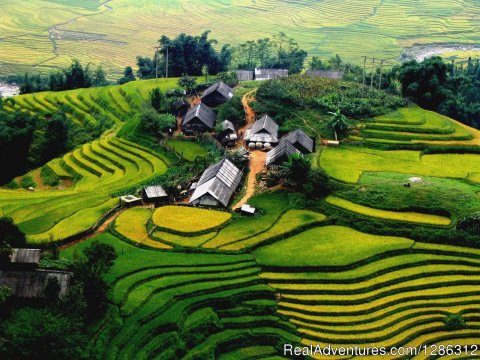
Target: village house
(217, 94)
(199, 119)
(327, 74)
(263, 133)
(217, 184)
(227, 134)
(25, 280)
(295, 142)
(155, 194)
(180, 107)
(244, 75)
(269, 74)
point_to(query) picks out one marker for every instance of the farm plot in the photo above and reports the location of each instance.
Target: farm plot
(378, 295)
(407, 216)
(201, 304)
(347, 163)
(187, 149)
(188, 220)
(448, 197)
(100, 169)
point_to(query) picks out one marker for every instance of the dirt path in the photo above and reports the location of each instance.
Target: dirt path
(249, 116)
(256, 165)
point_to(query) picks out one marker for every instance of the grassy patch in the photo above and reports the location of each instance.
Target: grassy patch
(188, 219)
(407, 216)
(189, 150)
(327, 246)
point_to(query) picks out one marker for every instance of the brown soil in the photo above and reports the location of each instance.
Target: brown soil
(249, 115)
(256, 165)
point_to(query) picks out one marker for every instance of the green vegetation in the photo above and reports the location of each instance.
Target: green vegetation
(345, 27)
(187, 149)
(388, 215)
(100, 169)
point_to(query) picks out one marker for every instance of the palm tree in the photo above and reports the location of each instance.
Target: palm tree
(338, 123)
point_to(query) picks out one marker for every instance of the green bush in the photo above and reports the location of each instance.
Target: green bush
(48, 176)
(470, 224)
(454, 322)
(27, 182)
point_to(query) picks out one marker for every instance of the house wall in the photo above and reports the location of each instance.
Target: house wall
(195, 125)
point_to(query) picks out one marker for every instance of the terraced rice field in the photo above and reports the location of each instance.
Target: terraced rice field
(407, 216)
(414, 125)
(99, 169)
(383, 296)
(206, 304)
(118, 103)
(89, 31)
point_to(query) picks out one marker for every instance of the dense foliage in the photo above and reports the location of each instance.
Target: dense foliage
(281, 52)
(74, 77)
(280, 97)
(438, 86)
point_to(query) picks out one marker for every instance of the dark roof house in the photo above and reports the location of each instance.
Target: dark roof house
(199, 119)
(301, 141)
(264, 130)
(181, 107)
(281, 153)
(335, 75)
(217, 94)
(155, 192)
(268, 74)
(227, 133)
(217, 184)
(31, 284)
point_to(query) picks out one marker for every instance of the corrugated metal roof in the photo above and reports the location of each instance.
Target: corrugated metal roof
(155, 191)
(336, 75)
(31, 284)
(203, 113)
(222, 88)
(227, 125)
(284, 148)
(299, 137)
(219, 180)
(26, 256)
(265, 74)
(264, 130)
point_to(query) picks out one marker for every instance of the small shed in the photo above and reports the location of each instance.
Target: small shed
(331, 143)
(269, 74)
(244, 75)
(247, 209)
(281, 153)
(130, 200)
(262, 134)
(180, 107)
(217, 94)
(31, 284)
(304, 143)
(217, 184)
(24, 259)
(228, 134)
(335, 75)
(199, 119)
(155, 194)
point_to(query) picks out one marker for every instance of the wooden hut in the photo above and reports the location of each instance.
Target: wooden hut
(269, 74)
(155, 194)
(304, 143)
(263, 133)
(281, 153)
(227, 134)
(217, 94)
(180, 107)
(244, 75)
(217, 184)
(199, 119)
(31, 284)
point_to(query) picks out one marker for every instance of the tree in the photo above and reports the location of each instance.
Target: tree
(99, 258)
(5, 293)
(157, 99)
(189, 83)
(55, 141)
(99, 77)
(127, 76)
(317, 64)
(41, 334)
(76, 76)
(10, 237)
(295, 171)
(454, 322)
(317, 184)
(166, 122)
(338, 123)
(146, 67)
(52, 291)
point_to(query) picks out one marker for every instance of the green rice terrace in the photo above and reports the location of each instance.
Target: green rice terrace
(377, 262)
(88, 29)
